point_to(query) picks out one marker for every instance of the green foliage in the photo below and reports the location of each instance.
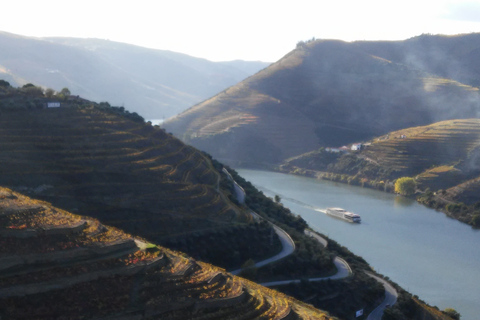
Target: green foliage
(405, 186)
(249, 270)
(4, 83)
(452, 313)
(49, 93)
(64, 94)
(32, 91)
(476, 220)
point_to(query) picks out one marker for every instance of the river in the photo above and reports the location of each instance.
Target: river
(424, 251)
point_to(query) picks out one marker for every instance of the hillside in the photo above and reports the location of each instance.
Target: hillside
(154, 83)
(325, 93)
(443, 157)
(163, 190)
(104, 162)
(56, 265)
(452, 57)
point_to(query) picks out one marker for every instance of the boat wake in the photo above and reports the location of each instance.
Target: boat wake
(283, 197)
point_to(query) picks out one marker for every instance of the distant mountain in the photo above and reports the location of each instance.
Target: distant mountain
(324, 93)
(154, 83)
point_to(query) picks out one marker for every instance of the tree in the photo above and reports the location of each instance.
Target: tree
(277, 198)
(64, 93)
(405, 186)
(249, 270)
(49, 93)
(4, 84)
(32, 90)
(452, 313)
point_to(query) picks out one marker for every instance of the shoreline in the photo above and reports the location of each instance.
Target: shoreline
(430, 201)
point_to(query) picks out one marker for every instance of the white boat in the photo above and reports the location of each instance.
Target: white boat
(344, 214)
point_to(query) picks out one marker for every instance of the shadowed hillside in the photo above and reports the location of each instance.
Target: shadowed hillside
(56, 265)
(324, 93)
(107, 163)
(155, 83)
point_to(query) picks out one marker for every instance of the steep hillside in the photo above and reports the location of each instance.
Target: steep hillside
(56, 265)
(453, 57)
(154, 83)
(104, 162)
(443, 157)
(324, 93)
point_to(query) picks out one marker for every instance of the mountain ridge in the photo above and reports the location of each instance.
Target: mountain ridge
(324, 93)
(154, 83)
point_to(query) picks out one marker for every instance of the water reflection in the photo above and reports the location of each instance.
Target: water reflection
(400, 201)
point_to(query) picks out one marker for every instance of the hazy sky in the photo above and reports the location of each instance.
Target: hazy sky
(244, 29)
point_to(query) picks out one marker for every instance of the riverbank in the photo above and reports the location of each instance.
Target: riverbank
(398, 237)
(456, 210)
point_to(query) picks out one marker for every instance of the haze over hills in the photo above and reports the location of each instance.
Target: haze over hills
(154, 83)
(452, 57)
(324, 93)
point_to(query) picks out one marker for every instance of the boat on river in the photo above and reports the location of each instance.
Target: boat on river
(343, 214)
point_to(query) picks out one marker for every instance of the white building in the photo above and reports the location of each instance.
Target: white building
(356, 146)
(53, 104)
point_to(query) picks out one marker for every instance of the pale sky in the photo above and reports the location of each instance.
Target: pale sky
(221, 30)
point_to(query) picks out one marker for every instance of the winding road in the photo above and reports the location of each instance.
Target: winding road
(343, 271)
(288, 247)
(391, 296)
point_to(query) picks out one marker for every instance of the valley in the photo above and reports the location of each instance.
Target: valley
(145, 219)
(103, 162)
(396, 234)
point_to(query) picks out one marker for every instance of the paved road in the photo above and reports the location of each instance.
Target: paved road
(320, 239)
(391, 296)
(288, 247)
(343, 271)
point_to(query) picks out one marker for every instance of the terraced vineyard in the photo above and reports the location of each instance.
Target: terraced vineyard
(56, 265)
(413, 150)
(444, 159)
(101, 161)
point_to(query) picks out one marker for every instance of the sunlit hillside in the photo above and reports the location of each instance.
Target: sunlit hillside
(56, 265)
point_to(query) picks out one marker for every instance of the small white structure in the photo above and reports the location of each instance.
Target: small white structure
(356, 146)
(53, 104)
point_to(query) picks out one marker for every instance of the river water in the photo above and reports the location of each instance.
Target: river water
(425, 252)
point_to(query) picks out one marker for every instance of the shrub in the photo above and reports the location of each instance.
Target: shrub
(405, 186)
